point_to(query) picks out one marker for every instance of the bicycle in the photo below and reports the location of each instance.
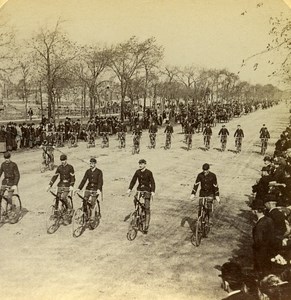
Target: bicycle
(59, 214)
(11, 210)
(238, 144)
(168, 141)
(189, 141)
(223, 140)
(202, 224)
(264, 145)
(136, 142)
(105, 140)
(137, 222)
(207, 141)
(48, 158)
(152, 136)
(72, 142)
(91, 139)
(121, 138)
(82, 217)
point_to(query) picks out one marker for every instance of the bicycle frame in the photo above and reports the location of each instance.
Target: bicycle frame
(86, 205)
(168, 140)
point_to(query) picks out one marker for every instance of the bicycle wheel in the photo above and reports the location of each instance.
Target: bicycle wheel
(206, 227)
(79, 222)
(14, 213)
(132, 230)
(94, 222)
(198, 232)
(42, 167)
(52, 221)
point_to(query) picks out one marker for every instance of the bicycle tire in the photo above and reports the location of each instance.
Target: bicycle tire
(131, 234)
(94, 223)
(53, 221)
(42, 168)
(206, 227)
(79, 222)
(132, 230)
(198, 231)
(15, 213)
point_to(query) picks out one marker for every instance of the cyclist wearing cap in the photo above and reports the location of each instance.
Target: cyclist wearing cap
(94, 176)
(208, 187)
(11, 176)
(147, 184)
(264, 133)
(66, 183)
(223, 133)
(238, 134)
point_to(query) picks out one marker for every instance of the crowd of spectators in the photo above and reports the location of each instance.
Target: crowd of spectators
(271, 233)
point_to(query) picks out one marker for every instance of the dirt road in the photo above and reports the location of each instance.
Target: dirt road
(103, 264)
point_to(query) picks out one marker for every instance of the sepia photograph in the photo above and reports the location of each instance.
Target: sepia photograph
(145, 149)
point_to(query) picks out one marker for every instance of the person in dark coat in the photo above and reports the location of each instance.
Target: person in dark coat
(263, 240)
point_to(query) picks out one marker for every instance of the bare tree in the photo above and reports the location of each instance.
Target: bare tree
(126, 59)
(52, 53)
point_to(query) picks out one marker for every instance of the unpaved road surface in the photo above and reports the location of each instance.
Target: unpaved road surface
(103, 264)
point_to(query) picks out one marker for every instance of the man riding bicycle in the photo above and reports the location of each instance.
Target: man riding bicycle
(153, 129)
(223, 133)
(209, 188)
(207, 133)
(11, 177)
(94, 176)
(146, 183)
(67, 180)
(238, 134)
(264, 133)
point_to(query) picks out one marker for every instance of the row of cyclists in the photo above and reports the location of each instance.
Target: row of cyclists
(93, 179)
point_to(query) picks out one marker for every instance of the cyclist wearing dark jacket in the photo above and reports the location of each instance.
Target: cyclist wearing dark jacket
(11, 175)
(208, 182)
(264, 133)
(239, 132)
(67, 180)
(223, 132)
(94, 176)
(146, 183)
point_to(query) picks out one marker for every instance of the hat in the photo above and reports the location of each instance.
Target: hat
(205, 167)
(93, 160)
(142, 161)
(267, 158)
(258, 204)
(271, 197)
(63, 157)
(231, 270)
(7, 155)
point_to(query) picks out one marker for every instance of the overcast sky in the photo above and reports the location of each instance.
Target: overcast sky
(209, 33)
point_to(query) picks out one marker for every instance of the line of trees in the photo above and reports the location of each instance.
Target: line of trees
(51, 64)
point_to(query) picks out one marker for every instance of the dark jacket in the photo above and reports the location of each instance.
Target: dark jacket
(209, 186)
(145, 179)
(11, 173)
(95, 180)
(67, 176)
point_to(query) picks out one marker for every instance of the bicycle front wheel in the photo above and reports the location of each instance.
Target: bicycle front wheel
(15, 212)
(95, 220)
(79, 222)
(132, 230)
(198, 231)
(52, 221)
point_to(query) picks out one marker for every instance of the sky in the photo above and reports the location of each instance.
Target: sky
(208, 33)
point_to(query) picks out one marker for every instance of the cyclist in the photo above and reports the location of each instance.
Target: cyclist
(264, 133)
(168, 131)
(188, 130)
(121, 132)
(48, 145)
(238, 134)
(207, 133)
(209, 188)
(153, 129)
(147, 184)
(104, 132)
(223, 133)
(94, 176)
(67, 180)
(137, 132)
(11, 177)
